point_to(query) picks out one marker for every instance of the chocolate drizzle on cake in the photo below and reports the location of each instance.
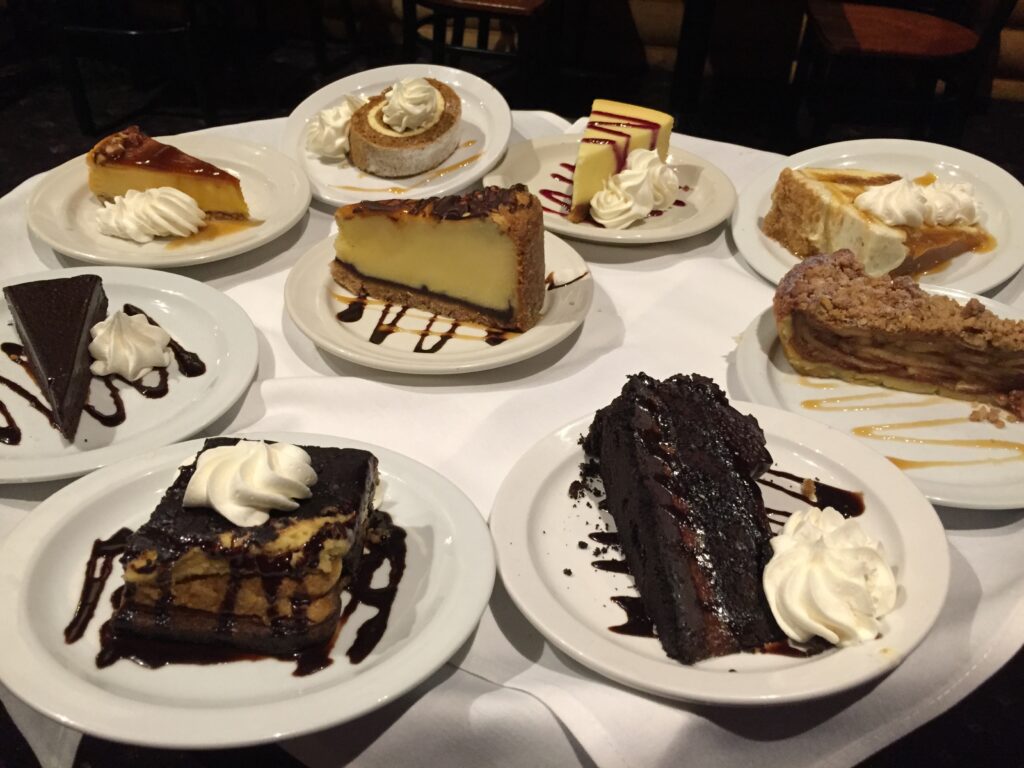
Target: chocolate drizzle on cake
(385, 543)
(817, 494)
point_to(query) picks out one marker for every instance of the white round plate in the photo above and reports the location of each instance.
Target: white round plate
(201, 318)
(999, 194)
(309, 295)
(709, 200)
(486, 127)
(62, 210)
(448, 580)
(765, 376)
(536, 528)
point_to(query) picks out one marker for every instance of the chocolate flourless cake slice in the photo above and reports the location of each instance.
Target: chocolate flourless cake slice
(193, 576)
(53, 319)
(679, 466)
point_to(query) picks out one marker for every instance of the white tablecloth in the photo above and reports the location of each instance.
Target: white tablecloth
(508, 698)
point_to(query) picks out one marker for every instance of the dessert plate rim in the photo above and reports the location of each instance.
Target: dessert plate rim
(771, 261)
(288, 197)
(923, 580)
(496, 131)
(235, 373)
(755, 373)
(50, 687)
(310, 274)
(510, 172)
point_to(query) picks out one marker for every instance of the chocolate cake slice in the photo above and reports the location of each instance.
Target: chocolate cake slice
(193, 576)
(679, 466)
(53, 318)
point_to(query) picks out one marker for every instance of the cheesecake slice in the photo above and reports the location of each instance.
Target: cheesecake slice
(53, 319)
(191, 575)
(813, 211)
(613, 131)
(835, 321)
(478, 257)
(376, 148)
(130, 159)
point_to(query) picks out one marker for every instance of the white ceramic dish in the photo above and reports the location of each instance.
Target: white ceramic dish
(999, 194)
(201, 318)
(448, 580)
(310, 296)
(765, 376)
(62, 210)
(536, 529)
(709, 199)
(486, 127)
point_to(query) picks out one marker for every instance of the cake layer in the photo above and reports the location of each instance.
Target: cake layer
(813, 212)
(285, 575)
(53, 319)
(614, 129)
(836, 321)
(375, 148)
(477, 258)
(679, 468)
(130, 159)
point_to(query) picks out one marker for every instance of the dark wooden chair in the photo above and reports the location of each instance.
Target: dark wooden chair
(520, 26)
(941, 43)
(105, 28)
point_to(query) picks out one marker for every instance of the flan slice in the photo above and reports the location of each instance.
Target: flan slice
(193, 576)
(53, 318)
(835, 321)
(614, 129)
(477, 257)
(813, 212)
(679, 467)
(130, 159)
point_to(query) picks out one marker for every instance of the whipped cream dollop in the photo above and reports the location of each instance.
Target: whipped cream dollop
(157, 212)
(411, 103)
(827, 578)
(128, 346)
(246, 481)
(327, 134)
(904, 203)
(646, 184)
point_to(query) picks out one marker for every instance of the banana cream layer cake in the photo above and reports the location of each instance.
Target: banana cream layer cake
(477, 257)
(209, 567)
(835, 321)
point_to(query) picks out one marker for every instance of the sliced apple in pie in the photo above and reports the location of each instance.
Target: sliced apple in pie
(835, 321)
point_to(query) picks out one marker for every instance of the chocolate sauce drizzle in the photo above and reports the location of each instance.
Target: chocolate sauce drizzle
(820, 495)
(638, 623)
(189, 363)
(431, 339)
(385, 543)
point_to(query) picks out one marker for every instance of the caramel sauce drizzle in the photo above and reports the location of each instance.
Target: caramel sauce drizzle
(926, 180)
(854, 402)
(807, 381)
(435, 174)
(885, 432)
(214, 229)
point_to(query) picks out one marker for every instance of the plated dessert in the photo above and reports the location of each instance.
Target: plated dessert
(68, 340)
(411, 127)
(478, 257)
(893, 224)
(250, 548)
(680, 469)
(151, 189)
(835, 320)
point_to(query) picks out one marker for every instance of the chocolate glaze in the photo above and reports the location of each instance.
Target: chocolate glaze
(614, 566)
(133, 147)
(103, 552)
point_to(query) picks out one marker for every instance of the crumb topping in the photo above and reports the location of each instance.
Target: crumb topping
(835, 290)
